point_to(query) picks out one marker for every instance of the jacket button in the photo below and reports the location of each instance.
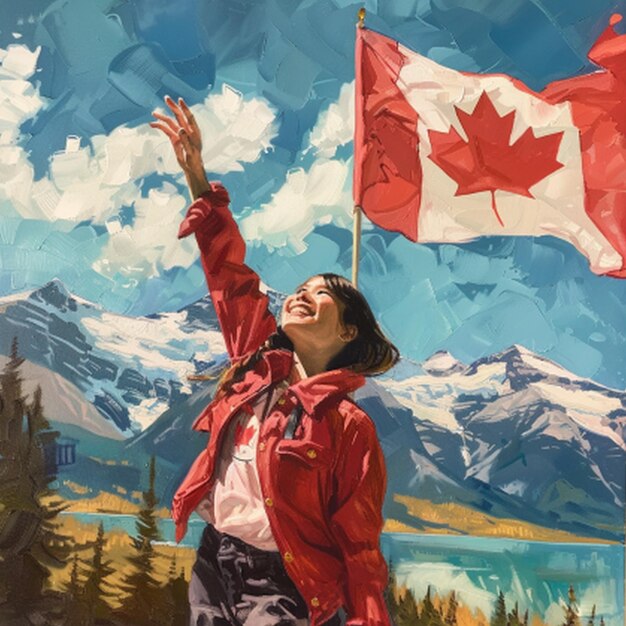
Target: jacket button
(269, 502)
(288, 557)
(315, 602)
(262, 446)
(311, 453)
(281, 401)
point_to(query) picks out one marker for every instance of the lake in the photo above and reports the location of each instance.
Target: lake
(535, 574)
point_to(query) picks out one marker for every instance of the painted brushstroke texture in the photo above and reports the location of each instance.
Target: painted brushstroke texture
(272, 88)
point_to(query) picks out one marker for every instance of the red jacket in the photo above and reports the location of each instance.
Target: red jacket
(324, 489)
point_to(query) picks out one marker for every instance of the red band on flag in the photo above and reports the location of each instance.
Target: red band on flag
(598, 104)
(387, 170)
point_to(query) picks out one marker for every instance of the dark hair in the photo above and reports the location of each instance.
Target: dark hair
(370, 353)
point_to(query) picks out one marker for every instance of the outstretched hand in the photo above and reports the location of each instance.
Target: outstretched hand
(183, 133)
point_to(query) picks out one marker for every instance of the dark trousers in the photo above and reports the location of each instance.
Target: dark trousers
(235, 584)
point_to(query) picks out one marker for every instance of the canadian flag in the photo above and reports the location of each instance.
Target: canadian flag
(447, 156)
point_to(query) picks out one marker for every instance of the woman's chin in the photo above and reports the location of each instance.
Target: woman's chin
(295, 326)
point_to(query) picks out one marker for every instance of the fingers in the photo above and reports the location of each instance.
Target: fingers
(184, 139)
(172, 134)
(180, 116)
(167, 120)
(188, 114)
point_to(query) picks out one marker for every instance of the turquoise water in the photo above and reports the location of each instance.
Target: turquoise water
(537, 575)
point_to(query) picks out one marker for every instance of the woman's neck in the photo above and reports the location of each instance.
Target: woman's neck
(307, 365)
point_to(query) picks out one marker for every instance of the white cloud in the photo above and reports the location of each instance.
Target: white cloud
(150, 245)
(335, 126)
(235, 130)
(19, 101)
(94, 183)
(308, 198)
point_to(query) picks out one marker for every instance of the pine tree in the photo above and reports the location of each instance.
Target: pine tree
(429, 616)
(391, 591)
(592, 617)
(407, 610)
(51, 548)
(94, 590)
(19, 507)
(499, 615)
(571, 610)
(30, 544)
(75, 609)
(450, 618)
(514, 618)
(144, 601)
(73, 587)
(176, 593)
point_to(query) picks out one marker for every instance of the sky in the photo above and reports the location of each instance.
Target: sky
(89, 194)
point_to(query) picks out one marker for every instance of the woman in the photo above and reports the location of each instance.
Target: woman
(292, 479)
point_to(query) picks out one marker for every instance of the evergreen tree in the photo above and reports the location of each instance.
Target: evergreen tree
(450, 618)
(94, 590)
(73, 587)
(30, 544)
(176, 594)
(429, 616)
(407, 610)
(499, 614)
(592, 617)
(391, 591)
(144, 601)
(74, 606)
(50, 548)
(514, 618)
(571, 610)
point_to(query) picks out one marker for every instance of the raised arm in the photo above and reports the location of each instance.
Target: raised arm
(241, 307)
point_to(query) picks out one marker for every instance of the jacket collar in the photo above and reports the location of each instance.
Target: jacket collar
(314, 391)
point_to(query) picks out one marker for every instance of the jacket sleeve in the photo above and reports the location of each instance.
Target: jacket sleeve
(241, 308)
(356, 520)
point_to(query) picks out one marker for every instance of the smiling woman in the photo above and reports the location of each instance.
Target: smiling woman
(292, 480)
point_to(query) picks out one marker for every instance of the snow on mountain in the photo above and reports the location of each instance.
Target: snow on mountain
(130, 369)
(434, 398)
(526, 427)
(512, 433)
(442, 363)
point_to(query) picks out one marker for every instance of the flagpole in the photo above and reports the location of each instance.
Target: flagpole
(356, 226)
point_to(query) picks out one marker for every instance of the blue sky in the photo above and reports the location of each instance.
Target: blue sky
(271, 83)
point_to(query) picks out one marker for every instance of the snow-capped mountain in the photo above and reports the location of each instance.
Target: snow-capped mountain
(130, 368)
(512, 434)
(526, 427)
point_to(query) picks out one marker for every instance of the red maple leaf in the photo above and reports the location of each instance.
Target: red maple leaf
(243, 435)
(486, 161)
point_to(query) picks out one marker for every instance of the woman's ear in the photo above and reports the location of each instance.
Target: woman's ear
(349, 333)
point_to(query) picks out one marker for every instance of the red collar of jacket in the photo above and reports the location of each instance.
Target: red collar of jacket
(314, 391)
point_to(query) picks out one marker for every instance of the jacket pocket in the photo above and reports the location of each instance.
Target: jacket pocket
(309, 453)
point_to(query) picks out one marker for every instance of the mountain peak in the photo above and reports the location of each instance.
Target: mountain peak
(442, 363)
(56, 293)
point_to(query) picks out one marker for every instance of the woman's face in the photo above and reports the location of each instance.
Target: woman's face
(313, 312)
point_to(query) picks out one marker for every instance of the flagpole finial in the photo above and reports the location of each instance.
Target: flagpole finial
(361, 14)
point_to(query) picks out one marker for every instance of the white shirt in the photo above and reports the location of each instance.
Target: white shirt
(235, 504)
